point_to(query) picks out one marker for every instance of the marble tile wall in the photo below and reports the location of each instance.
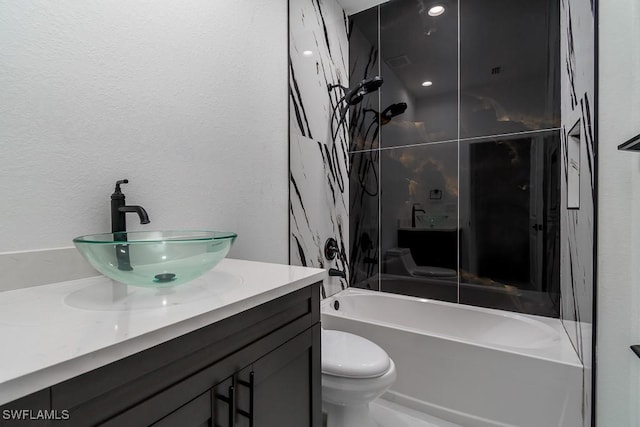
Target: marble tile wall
(577, 26)
(318, 141)
(323, 147)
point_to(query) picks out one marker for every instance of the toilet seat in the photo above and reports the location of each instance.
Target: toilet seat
(351, 356)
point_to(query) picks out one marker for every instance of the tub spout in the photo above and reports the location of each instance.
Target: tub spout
(334, 272)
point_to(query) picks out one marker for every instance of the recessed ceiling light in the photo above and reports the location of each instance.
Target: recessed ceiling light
(427, 83)
(436, 10)
(307, 53)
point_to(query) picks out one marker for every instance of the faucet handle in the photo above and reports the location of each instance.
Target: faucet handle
(122, 181)
(117, 194)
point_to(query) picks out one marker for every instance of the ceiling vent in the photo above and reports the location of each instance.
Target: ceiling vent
(496, 70)
(398, 61)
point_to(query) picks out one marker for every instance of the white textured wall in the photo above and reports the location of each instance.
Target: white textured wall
(186, 99)
(618, 299)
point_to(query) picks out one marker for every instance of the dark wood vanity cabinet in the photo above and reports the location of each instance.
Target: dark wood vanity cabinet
(258, 368)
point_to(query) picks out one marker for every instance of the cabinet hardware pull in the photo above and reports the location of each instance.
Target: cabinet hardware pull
(249, 384)
(232, 406)
(251, 387)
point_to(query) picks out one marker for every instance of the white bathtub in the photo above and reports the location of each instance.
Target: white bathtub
(469, 365)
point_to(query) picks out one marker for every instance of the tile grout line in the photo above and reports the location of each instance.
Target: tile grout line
(379, 173)
(458, 165)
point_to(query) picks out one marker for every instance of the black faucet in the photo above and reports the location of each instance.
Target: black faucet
(413, 214)
(119, 211)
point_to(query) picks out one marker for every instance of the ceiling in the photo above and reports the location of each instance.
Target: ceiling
(354, 6)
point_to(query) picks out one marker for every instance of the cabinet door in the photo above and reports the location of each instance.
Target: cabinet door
(286, 384)
(196, 413)
(215, 408)
(30, 411)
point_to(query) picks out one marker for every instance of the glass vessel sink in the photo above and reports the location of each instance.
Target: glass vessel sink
(155, 258)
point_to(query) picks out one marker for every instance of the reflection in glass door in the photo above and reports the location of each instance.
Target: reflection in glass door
(455, 195)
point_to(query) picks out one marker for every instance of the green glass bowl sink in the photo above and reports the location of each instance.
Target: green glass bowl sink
(155, 258)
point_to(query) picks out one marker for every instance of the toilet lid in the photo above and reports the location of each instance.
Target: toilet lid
(351, 356)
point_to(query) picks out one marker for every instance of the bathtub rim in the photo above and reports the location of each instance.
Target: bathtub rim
(553, 323)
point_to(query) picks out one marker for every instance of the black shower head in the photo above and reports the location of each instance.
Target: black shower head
(394, 110)
(372, 84)
(354, 98)
(351, 97)
(355, 95)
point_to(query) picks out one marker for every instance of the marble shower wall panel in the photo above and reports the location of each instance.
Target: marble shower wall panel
(509, 205)
(577, 28)
(363, 64)
(318, 142)
(364, 174)
(416, 47)
(418, 220)
(508, 72)
(319, 28)
(315, 215)
(577, 239)
(364, 218)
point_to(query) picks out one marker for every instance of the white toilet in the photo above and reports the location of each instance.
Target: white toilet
(355, 371)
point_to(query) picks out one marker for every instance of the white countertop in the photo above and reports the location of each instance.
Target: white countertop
(54, 332)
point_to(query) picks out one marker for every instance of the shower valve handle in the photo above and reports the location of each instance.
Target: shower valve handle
(331, 249)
